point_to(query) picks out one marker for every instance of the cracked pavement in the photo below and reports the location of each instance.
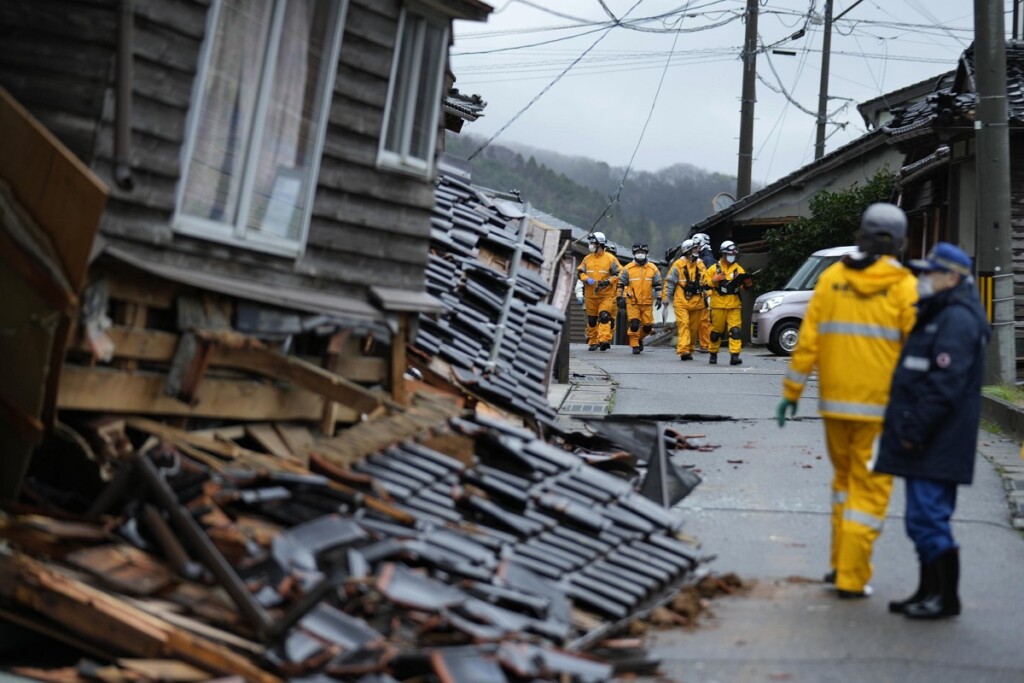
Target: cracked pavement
(762, 510)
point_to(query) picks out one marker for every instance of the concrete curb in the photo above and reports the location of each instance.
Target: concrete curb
(1008, 416)
(1010, 420)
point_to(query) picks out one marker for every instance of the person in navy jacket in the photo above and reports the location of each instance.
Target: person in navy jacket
(931, 423)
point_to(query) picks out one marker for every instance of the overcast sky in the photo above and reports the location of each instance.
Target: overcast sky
(599, 107)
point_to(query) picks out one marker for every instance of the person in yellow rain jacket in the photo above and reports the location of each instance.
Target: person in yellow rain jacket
(703, 245)
(685, 289)
(598, 272)
(859, 315)
(725, 279)
(639, 291)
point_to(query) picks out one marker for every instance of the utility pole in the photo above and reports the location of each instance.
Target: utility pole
(992, 157)
(746, 156)
(826, 51)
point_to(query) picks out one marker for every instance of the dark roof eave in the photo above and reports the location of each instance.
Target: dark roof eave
(469, 10)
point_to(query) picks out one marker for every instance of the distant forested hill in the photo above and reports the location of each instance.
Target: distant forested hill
(657, 208)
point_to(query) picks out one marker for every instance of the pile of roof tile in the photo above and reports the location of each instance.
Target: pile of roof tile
(473, 244)
(495, 557)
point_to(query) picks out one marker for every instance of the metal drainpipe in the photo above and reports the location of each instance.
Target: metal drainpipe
(123, 113)
(513, 273)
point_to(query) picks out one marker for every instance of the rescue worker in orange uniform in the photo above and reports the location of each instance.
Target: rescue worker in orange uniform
(725, 279)
(685, 289)
(639, 291)
(599, 272)
(859, 315)
(703, 245)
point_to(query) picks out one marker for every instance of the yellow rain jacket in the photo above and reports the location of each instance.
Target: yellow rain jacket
(731, 271)
(600, 267)
(640, 283)
(855, 325)
(682, 273)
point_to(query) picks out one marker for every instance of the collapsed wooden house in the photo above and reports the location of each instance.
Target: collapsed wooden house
(268, 169)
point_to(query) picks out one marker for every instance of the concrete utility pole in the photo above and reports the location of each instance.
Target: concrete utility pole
(992, 156)
(826, 52)
(749, 96)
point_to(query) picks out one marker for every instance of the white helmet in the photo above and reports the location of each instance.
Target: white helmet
(687, 245)
(598, 238)
(729, 247)
(701, 239)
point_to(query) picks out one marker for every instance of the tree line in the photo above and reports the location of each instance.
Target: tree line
(654, 207)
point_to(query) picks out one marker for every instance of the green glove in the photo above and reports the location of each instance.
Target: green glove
(780, 411)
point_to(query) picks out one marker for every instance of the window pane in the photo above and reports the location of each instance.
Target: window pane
(428, 98)
(225, 120)
(401, 97)
(287, 147)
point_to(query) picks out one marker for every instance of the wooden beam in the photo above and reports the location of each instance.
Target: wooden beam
(398, 362)
(113, 391)
(302, 374)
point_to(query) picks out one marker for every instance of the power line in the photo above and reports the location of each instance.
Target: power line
(650, 113)
(546, 88)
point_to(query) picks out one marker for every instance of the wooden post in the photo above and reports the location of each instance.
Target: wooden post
(398, 360)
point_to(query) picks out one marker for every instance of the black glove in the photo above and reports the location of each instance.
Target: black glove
(602, 284)
(657, 303)
(621, 301)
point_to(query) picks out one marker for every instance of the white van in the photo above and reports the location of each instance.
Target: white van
(777, 315)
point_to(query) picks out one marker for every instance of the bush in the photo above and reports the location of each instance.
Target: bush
(834, 219)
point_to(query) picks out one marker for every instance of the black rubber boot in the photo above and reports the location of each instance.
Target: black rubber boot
(925, 587)
(637, 350)
(640, 345)
(593, 347)
(943, 600)
(734, 359)
(713, 359)
(686, 356)
(605, 346)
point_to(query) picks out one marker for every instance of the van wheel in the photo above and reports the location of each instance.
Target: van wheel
(784, 338)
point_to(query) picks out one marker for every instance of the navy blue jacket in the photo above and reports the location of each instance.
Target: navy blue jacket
(935, 402)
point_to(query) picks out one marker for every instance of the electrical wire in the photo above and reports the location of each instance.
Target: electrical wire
(546, 88)
(618, 192)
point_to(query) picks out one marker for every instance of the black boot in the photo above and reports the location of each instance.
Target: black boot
(637, 349)
(943, 600)
(734, 359)
(925, 587)
(686, 356)
(605, 346)
(640, 345)
(713, 359)
(592, 347)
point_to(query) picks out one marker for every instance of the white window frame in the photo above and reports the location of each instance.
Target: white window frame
(402, 161)
(236, 233)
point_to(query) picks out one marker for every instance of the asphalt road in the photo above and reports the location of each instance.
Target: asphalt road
(762, 511)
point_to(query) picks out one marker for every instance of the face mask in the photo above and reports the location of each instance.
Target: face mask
(640, 256)
(593, 247)
(693, 257)
(925, 286)
(731, 258)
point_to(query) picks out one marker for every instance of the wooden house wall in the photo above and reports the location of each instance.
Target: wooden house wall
(1017, 220)
(368, 226)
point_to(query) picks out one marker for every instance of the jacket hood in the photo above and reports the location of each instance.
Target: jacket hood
(869, 275)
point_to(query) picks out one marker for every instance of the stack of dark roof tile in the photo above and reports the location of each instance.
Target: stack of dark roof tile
(472, 243)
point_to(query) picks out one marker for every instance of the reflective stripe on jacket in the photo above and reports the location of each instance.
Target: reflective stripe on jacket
(856, 321)
(640, 283)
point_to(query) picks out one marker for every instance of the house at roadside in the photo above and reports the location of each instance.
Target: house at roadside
(271, 171)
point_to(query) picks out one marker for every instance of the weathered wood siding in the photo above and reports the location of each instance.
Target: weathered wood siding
(1017, 219)
(369, 226)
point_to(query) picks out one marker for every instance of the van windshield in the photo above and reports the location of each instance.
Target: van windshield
(807, 274)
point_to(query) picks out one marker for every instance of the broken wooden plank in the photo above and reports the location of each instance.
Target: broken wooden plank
(301, 373)
(164, 670)
(106, 390)
(123, 568)
(265, 435)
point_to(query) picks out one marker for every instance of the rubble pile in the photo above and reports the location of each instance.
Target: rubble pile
(500, 559)
(497, 333)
